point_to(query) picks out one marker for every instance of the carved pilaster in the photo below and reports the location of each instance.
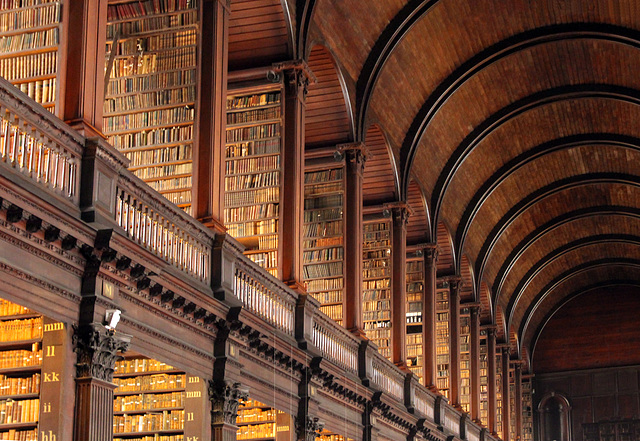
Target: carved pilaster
(475, 363)
(430, 252)
(225, 398)
(310, 429)
(506, 402)
(355, 157)
(98, 350)
(455, 285)
(491, 365)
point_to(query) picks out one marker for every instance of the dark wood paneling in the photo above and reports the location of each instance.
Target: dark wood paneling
(418, 226)
(258, 33)
(379, 180)
(327, 119)
(597, 329)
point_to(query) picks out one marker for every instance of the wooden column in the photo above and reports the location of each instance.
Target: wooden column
(455, 284)
(475, 363)
(518, 400)
(506, 414)
(225, 398)
(209, 154)
(297, 77)
(429, 316)
(400, 215)
(355, 156)
(81, 80)
(97, 349)
(491, 380)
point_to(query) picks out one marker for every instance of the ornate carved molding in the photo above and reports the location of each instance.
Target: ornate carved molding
(97, 350)
(310, 429)
(225, 398)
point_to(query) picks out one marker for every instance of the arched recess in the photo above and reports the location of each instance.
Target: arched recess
(501, 330)
(259, 33)
(446, 258)
(328, 120)
(554, 417)
(418, 227)
(380, 178)
(468, 292)
(486, 315)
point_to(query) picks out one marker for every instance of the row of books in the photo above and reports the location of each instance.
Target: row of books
(29, 41)
(252, 148)
(29, 66)
(377, 304)
(146, 8)
(150, 138)
(250, 212)
(10, 308)
(413, 319)
(19, 385)
(157, 80)
(376, 315)
(320, 189)
(150, 382)
(41, 91)
(149, 63)
(268, 259)
(159, 156)
(414, 296)
(333, 311)
(165, 40)
(376, 284)
(135, 365)
(162, 171)
(167, 420)
(384, 254)
(250, 197)
(322, 215)
(255, 415)
(333, 201)
(379, 325)
(323, 176)
(329, 269)
(369, 295)
(22, 411)
(155, 437)
(329, 285)
(414, 351)
(252, 181)
(179, 197)
(171, 184)
(323, 229)
(415, 266)
(149, 24)
(266, 430)
(322, 242)
(253, 115)
(27, 18)
(21, 357)
(139, 101)
(243, 102)
(19, 435)
(26, 329)
(254, 132)
(376, 272)
(256, 228)
(148, 401)
(325, 254)
(415, 277)
(149, 118)
(252, 165)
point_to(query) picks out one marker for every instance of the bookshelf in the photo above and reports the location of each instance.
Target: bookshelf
(484, 380)
(253, 175)
(30, 367)
(465, 359)
(442, 341)
(29, 42)
(323, 241)
(155, 401)
(327, 435)
(149, 106)
(258, 422)
(376, 283)
(512, 405)
(527, 413)
(414, 290)
(499, 394)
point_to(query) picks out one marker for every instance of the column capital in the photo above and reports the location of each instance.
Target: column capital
(225, 398)
(506, 349)
(298, 74)
(310, 429)
(430, 252)
(400, 212)
(355, 153)
(97, 348)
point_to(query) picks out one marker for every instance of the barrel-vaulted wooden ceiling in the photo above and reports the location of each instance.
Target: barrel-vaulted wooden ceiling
(518, 121)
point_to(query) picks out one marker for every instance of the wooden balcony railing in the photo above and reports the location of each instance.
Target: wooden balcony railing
(335, 343)
(423, 401)
(38, 145)
(383, 375)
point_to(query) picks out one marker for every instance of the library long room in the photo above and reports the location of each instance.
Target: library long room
(279, 220)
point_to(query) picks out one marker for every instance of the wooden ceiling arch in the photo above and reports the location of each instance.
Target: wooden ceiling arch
(418, 227)
(380, 177)
(589, 275)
